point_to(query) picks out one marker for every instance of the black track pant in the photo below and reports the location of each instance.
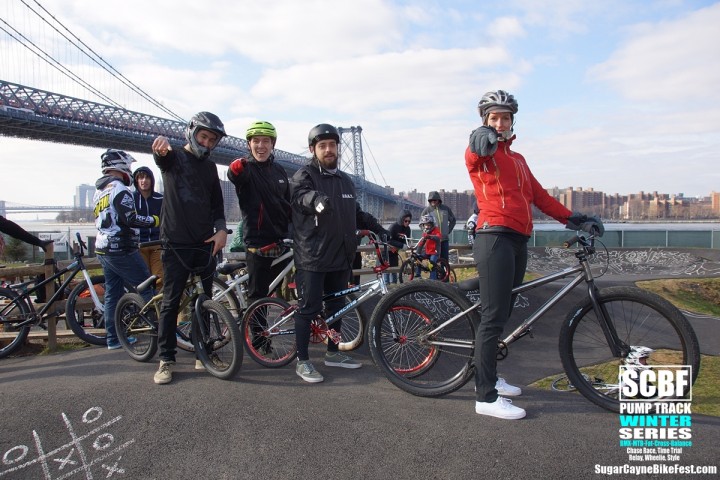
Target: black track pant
(501, 259)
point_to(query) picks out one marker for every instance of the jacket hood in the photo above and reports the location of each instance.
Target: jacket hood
(103, 181)
(434, 196)
(406, 214)
(149, 173)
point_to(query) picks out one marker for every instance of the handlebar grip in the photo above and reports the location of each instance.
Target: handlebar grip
(267, 248)
(571, 242)
(151, 243)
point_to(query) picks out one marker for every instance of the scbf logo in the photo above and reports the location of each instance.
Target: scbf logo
(656, 382)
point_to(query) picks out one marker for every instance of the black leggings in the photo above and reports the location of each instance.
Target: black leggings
(501, 260)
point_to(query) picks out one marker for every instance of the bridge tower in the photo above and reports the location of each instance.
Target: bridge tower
(352, 162)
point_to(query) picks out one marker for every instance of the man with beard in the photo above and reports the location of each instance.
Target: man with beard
(325, 219)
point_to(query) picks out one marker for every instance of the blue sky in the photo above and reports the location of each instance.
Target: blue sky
(620, 96)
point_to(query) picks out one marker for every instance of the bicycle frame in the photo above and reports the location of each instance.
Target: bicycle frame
(369, 289)
(238, 280)
(582, 273)
(39, 315)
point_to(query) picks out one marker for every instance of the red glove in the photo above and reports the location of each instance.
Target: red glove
(237, 166)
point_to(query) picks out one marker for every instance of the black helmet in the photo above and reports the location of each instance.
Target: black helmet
(203, 121)
(323, 131)
(499, 101)
(434, 196)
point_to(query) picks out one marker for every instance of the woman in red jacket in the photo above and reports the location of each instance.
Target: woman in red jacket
(505, 190)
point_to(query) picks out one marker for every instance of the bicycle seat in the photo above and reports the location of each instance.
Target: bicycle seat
(469, 284)
(228, 268)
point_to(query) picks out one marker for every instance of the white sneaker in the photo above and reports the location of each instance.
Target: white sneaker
(505, 389)
(199, 365)
(500, 408)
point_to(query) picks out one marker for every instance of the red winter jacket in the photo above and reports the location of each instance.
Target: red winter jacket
(505, 189)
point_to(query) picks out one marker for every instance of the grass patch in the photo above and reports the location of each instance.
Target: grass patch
(706, 390)
(699, 295)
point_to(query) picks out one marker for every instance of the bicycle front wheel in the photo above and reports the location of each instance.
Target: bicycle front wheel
(228, 299)
(353, 328)
(85, 319)
(407, 271)
(268, 330)
(217, 341)
(640, 319)
(12, 332)
(420, 341)
(136, 332)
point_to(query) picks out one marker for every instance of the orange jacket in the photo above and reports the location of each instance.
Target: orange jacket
(505, 189)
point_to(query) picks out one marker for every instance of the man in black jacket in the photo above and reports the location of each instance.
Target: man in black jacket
(193, 214)
(325, 218)
(263, 192)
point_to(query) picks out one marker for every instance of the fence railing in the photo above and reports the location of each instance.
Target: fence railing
(620, 238)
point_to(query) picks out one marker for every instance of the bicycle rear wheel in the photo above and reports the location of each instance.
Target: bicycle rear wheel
(83, 317)
(219, 348)
(268, 341)
(136, 332)
(12, 333)
(423, 364)
(641, 319)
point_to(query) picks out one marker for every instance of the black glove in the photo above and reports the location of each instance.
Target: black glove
(575, 221)
(322, 204)
(483, 141)
(594, 226)
(591, 225)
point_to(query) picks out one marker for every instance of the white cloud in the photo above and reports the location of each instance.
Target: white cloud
(672, 63)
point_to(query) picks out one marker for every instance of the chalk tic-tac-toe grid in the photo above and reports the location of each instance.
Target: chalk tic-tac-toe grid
(94, 453)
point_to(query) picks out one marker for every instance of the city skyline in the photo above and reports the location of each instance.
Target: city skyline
(461, 202)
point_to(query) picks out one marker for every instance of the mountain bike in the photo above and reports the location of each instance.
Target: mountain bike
(416, 266)
(84, 307)
(268, 325)
(422, 334)
(214, 332)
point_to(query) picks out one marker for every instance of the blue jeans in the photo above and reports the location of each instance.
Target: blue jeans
(118, 270)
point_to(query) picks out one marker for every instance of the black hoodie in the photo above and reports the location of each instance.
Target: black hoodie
(147, 206)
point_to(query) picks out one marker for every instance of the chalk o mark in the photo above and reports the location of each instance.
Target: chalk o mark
(96, 413)
(7, 458)
(103, 441)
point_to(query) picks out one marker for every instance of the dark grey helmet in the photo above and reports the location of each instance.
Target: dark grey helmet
(498, 101)
(203, 121)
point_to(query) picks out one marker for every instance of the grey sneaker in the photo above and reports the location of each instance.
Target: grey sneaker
(164, 373)
(307, 372)
(339, 359)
